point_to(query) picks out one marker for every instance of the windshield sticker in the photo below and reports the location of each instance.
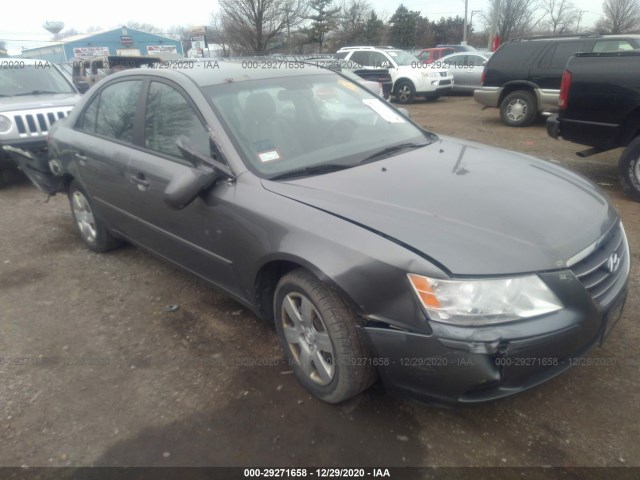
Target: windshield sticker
(347, 84)
(382, 110)
(269, 156)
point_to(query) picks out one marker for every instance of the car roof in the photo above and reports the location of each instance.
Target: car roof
(214, 72)
(563, 38)
(435, 49)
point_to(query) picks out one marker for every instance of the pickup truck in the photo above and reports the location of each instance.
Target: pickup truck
(599, 106)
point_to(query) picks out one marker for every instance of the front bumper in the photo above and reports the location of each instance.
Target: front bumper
(426, 85)
(461, 365)
(488, 96)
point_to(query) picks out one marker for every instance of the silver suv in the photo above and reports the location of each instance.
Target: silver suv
(33, 95)
(410, 76)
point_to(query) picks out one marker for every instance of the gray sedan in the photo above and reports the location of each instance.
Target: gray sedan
(448, 269)
(466, 68)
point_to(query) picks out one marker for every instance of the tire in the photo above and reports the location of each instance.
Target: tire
(405, 92)
(319, 336)
(629, 169)
(91, 229)
(518, 109)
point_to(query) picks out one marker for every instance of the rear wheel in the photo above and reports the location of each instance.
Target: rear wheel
(318, 333)
(629, 168)
(93, 232)
(518, 109)
(405, 91)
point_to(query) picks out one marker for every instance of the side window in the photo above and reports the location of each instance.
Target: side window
(476, 61)
(558, 55)
(169, 116)
(378, 60)
(361, 58)
(342, 55)
(112, 112)
(612, 46)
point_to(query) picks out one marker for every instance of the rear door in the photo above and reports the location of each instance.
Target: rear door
(103, 146)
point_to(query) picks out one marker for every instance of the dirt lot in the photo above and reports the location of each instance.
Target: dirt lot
(98, 369)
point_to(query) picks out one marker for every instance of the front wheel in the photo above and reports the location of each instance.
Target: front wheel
(318, 333)
(518, 109)
(405, 91)
(93, 232)
(629, 168)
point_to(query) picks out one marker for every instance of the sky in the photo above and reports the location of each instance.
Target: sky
(23, 26)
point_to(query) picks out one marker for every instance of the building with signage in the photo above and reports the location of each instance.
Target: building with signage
(120, 41)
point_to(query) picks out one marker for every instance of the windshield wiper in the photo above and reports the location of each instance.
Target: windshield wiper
(37, 92)
(314, 170)
(388, 151)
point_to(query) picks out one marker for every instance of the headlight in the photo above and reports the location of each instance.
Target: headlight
(5, 124)
(483, 302)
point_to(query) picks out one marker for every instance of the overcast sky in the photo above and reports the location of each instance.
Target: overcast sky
(23, 26)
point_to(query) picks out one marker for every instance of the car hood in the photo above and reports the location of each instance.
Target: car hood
(28, 102)
(473, 209)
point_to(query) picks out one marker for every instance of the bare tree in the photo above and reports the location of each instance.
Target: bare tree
(516, 17)
(352, 23)
(561, 14)
(254, 25)
(217, 33)
(620, 16)
(145, 27)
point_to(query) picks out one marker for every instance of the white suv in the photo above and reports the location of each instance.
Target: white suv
(410, 76)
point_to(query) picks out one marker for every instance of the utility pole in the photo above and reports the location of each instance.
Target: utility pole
(579, 19)
(494, 24)
(464, 31)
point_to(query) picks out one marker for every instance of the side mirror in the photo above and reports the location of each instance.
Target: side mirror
(183, 189)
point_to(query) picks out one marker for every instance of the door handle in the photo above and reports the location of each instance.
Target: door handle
(140, 180)
(81, 158)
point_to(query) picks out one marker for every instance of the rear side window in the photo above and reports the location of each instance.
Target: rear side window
(612, 46)
(361, 57)
(112, 112)
(556, 57)
(516, 54)
(342, 55)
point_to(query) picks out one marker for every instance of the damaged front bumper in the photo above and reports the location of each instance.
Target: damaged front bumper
(36, 166)
(465, 365)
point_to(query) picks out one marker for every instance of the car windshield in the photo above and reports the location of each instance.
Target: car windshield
(299, 123)
(402, 58)
(33, 80)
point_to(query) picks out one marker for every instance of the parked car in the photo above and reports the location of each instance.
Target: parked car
(34, 94)
(522, 78)
(599, 105)
(410, 76)
(466, 69)
(376, 247)
(378, 80)
(430, 55)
